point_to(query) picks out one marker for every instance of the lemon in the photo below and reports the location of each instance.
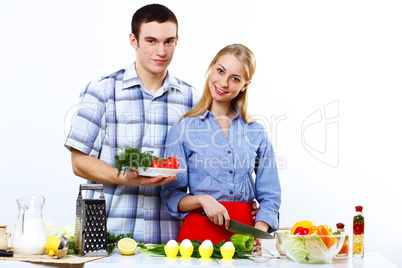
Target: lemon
(127, 246)
(52, 245)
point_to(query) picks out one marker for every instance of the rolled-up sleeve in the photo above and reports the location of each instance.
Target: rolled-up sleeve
(86, 133)
(268, 189)
(173, 192)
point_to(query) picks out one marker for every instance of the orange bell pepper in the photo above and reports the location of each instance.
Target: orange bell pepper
(323, 232)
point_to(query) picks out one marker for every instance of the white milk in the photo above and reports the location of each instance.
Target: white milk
(33, 239)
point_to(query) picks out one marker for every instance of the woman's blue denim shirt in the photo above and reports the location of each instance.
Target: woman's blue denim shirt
(240, 167)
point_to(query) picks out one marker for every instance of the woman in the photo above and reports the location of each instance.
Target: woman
(221, 146)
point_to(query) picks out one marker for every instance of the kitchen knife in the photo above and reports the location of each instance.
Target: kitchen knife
(241, 228)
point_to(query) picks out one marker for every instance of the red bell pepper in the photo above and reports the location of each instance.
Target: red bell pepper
(301, 231)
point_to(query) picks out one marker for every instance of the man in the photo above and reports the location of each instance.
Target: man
(135, 107)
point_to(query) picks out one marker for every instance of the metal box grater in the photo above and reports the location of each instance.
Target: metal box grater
(90, 223)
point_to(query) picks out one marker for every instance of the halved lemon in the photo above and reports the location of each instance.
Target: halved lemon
(127, 246)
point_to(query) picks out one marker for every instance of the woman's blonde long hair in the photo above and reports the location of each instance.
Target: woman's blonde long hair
(246, 57)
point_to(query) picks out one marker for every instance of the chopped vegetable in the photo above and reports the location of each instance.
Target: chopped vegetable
(243, 243)
(358, 225)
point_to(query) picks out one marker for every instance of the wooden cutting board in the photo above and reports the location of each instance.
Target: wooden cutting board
(68, 259)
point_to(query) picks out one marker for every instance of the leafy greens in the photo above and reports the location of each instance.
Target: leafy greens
(132, 158)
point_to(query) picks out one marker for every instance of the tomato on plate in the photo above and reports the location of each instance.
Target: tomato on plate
(156, 163)
(171, 162)
(175, 163)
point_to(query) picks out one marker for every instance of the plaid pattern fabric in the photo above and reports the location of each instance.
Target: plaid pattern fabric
(116, 111)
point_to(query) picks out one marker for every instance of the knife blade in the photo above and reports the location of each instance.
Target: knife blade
(241, 228)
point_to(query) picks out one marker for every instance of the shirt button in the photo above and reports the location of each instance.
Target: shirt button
(231, 192)
(229, 152)
(231, 172)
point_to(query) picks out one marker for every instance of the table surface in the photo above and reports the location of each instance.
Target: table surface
(370, 259)
(146, 260)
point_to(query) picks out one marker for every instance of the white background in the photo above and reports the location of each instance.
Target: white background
(342, 55)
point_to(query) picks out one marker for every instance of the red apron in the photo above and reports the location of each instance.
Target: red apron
(197, 227)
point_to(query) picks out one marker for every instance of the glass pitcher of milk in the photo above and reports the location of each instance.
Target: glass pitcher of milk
(30, 235)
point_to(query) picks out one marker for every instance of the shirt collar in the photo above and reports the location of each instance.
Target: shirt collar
(204, 115)
(207, 112)
(131, 79)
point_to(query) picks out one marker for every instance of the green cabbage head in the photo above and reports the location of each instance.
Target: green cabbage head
(295, 248)
(306, 249)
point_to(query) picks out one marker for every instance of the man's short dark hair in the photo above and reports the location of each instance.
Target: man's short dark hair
(149, 13)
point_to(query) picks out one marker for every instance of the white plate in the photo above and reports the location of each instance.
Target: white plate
(153, 172)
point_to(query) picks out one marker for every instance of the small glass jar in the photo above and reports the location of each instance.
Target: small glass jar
(344, 252)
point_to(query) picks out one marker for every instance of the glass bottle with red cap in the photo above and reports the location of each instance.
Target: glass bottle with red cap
(358, 233)
(344, 252)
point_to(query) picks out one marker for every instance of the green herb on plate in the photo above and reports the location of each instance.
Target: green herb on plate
(132, 158)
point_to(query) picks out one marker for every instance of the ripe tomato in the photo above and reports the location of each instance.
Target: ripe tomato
(156, 163)
(175, 162)
(167, 163)
(171, 162)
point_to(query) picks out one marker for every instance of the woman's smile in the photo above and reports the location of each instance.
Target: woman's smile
(219, 91)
